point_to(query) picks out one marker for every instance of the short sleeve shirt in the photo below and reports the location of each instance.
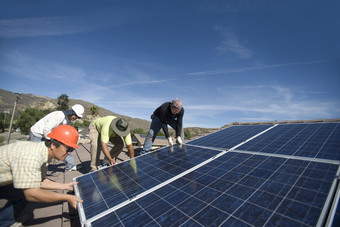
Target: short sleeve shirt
(22, 163)
(103, 127)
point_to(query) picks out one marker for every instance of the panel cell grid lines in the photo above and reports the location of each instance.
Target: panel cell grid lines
(105, 189)
(273, 175)
(230, 137)
(318, 140)
(232, 190)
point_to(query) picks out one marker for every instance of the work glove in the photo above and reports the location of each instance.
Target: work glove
(171, 143)
(179, 140)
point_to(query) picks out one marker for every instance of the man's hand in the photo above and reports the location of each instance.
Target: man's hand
(107, 153)
(73, 200)
(46, 196)
(69, 186)
(171, 143)
(52, 185)
(179, 140)
(112, 161)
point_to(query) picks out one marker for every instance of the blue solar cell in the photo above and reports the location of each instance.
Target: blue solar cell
(318, 140)
(229, 137)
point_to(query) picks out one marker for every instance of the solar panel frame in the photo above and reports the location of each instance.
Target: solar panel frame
(207, 170)
(245, 190)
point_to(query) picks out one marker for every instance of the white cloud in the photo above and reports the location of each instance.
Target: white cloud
(39, 69)
(253, 68)
(232, 45)
(48, 26)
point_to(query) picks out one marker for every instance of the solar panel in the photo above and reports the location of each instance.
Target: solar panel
(102, 190)
(229, 137)
(258, 182)
(234, 189)
(318, 140)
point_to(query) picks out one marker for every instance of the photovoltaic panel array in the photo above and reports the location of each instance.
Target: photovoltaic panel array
(195, 185)
(103, 190)
(230, 137)
(305, 140)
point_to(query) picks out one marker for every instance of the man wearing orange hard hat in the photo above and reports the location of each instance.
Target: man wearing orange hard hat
(22, 169)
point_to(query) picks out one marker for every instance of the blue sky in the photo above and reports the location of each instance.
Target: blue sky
(228, 61)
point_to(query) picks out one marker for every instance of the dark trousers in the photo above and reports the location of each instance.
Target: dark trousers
(16, 203)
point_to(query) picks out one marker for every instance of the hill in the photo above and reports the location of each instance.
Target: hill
(8, 98)
(25, 101)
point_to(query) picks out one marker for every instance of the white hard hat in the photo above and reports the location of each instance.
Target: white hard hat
(78, 109)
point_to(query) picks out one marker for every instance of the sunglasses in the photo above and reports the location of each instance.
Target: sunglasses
(68, 149)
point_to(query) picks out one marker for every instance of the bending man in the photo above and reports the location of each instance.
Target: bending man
(169, 113)
(40, 130)
(113, 129)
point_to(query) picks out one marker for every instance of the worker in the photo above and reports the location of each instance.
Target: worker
(169, 113)
(109, 129)
(22, 170)
(40, 130)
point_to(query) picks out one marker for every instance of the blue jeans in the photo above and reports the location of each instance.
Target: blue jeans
(69, 160)
(16, 202)
(155, 127)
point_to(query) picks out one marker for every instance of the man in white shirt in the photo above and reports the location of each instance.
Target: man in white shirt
(40, 130)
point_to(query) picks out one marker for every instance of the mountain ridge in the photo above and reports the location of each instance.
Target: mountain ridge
(7, 99)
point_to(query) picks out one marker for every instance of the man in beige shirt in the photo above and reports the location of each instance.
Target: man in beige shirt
(22, 165)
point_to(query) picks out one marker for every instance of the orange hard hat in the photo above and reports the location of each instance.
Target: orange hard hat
(65, 134)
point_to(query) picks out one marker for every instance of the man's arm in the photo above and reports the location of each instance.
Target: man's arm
(44, 196)
(107, 153)
(48, 184)
(179, 123)
(131, 151)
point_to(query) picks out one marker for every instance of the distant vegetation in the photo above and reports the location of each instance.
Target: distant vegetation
(63, 102)
(30, 116)
(94, 110)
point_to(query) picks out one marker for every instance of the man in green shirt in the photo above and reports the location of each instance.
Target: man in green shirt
(109, 129)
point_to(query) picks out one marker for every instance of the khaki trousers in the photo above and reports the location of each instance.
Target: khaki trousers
(95, 149)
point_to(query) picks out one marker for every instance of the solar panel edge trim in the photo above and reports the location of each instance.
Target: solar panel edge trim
(251, 138)
(197, 141)
(320, 160)
(80, 209)
(324, 219)
(334, 207)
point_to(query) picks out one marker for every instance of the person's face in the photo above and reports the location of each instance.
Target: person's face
(62, 151)
(72, 117)
(174, 110)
